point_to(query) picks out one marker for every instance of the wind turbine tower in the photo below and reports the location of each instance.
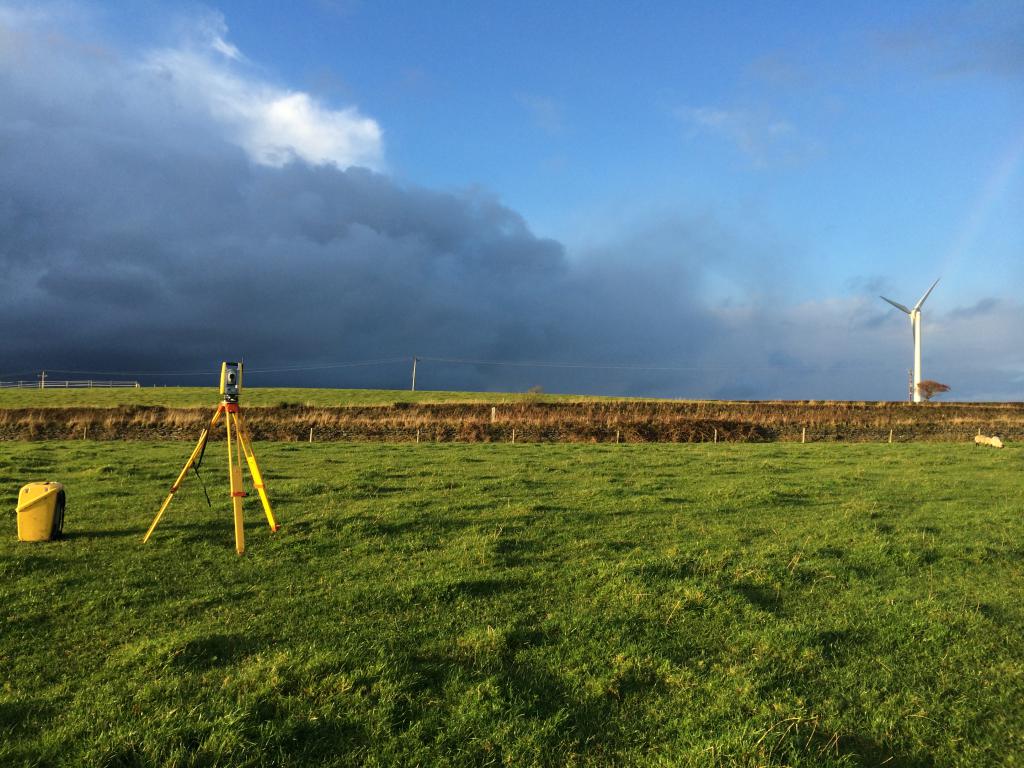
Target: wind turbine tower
(915, 327)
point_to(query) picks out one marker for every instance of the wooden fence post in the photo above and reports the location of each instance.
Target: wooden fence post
(616, 437)
(311, 434)
(716, 434)
(803, 435)
(890, 437)
(513, 435)
(494, 414)
(417, 434)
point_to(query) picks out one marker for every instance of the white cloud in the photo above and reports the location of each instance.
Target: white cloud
(764, 138)
(982, 38)
(213, 29)
(273, 124)
(205, 75)
(221, 46)
(546, 114)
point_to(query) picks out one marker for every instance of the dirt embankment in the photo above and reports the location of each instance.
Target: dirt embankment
(539, 422)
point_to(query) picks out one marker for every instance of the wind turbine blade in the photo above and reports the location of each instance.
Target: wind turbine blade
(896, 304)
(926, 295)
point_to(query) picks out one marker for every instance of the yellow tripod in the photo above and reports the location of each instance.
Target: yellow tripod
(231, 375)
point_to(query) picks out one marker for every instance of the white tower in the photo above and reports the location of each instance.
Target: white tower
(915, 327)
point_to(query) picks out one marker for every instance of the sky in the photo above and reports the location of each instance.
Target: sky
(669, 199)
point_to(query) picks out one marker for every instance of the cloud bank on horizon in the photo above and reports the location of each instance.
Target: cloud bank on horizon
(165, 209)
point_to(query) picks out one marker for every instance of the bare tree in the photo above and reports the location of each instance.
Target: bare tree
(930, 389)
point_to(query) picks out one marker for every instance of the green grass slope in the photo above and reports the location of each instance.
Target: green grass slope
(684, 605)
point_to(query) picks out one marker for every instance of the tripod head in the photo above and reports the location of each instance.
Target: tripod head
(230, 382)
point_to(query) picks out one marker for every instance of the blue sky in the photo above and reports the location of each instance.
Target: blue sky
(797, 159)
(861, 141)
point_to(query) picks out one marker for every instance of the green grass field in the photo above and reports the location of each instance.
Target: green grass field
(185, 397)
(677, 605)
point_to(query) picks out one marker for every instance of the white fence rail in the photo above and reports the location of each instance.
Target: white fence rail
(66, 384)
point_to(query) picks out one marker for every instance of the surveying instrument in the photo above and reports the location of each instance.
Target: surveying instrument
(230, 387)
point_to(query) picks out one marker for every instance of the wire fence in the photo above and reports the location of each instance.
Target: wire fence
(67, 384)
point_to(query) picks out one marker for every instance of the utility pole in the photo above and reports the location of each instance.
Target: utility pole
(42, 380)
(414, 360)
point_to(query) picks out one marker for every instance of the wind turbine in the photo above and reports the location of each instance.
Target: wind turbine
(915, 327)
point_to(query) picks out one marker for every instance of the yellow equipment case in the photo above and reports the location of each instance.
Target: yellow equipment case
(41, 511)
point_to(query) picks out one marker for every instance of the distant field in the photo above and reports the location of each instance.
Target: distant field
(187, 397)
(691, 605)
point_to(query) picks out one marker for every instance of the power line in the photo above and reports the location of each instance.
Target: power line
(625, 367)
(210, 371)
(549, 364)
(568, 365)
(384, 361)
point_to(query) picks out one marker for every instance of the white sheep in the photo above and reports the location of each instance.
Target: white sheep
(994, 441)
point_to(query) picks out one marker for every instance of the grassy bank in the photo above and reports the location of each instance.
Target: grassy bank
(822, 605)
(534, 420)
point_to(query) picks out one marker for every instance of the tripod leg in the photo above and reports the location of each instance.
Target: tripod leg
(177, 483)
(235, 473)
(254, 470)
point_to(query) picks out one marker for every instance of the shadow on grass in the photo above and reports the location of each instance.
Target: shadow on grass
(551, 509)
(473, 589)
(863, 751)
(370, 491)
(23, 716)
(830, 551)
(762, 598)
(618, 546)
(430, 525)
(196, 532)
(512, 550)
(322, 737)
(481, 588)
(993, 612)
(677, 569)
(836, 644)
(116, 534)
(215, 650)
(536, 690)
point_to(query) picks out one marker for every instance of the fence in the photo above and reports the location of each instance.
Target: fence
(67, 384)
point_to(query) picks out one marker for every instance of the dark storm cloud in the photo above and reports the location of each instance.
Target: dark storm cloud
(136, 234)
(152, 219)
(982, 307)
